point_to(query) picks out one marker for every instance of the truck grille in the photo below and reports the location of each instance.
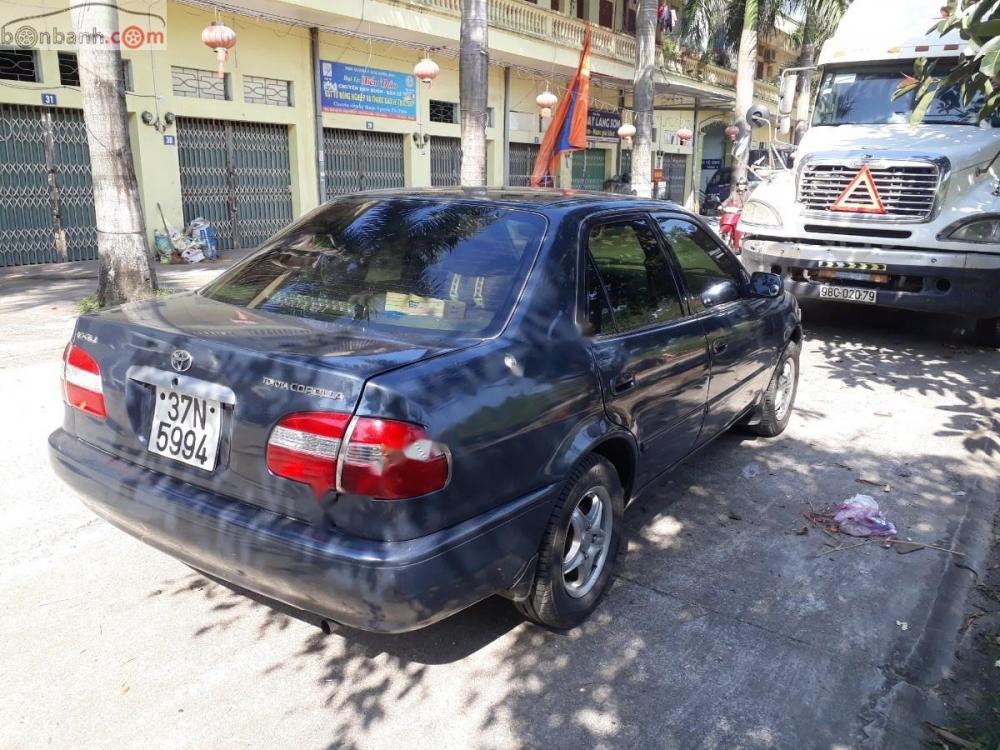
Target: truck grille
(907, 190)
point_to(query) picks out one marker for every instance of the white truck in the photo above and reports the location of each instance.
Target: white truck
(876, 211)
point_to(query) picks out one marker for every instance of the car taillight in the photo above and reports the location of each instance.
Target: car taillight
(391, 460)
(303, 447)
(383, 459)
(82, 386)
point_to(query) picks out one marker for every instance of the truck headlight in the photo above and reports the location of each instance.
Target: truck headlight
(984, 229)
(759, 214)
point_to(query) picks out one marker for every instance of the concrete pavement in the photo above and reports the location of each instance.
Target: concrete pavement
(725, 628)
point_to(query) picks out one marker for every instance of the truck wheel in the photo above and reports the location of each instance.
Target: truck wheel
(986, 332)
(577, 557)
(779, 398)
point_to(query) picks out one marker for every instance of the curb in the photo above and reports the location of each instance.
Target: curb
(909, 698)
(88, 269)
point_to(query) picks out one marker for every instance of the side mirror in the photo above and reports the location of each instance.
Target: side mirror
(786, 93)
(765, 285)
(758, 115)
(719, 294)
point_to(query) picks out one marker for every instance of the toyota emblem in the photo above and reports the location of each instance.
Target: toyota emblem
(181, 360)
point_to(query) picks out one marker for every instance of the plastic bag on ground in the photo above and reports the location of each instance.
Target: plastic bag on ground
(193, 255)
(161, 242)
(860, 516)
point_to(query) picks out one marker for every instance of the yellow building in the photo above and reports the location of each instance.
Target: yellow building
(286, 128)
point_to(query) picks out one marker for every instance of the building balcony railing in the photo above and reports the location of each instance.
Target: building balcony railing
(529, 20)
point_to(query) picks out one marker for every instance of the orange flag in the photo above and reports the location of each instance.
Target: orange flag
(568, 128)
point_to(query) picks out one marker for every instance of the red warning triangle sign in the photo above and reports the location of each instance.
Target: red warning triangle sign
(860, 196)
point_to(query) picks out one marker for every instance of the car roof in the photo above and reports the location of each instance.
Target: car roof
(541, 199)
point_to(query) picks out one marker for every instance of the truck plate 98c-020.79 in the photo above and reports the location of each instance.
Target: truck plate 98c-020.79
(848, 294)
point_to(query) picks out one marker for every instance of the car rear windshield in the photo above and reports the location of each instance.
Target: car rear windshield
(436, 266)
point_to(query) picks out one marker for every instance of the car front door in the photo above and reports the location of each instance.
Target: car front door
(652, 356)
(717, 291)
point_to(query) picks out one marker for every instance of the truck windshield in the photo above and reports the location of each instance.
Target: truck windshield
(440, 267)
(864, 97)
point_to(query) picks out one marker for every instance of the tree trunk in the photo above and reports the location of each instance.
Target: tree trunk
(807, 58)
(746, 71)
(642, 96)
(473, 75)
(126, 269)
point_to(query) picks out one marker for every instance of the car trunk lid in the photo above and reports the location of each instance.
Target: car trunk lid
(256, 366)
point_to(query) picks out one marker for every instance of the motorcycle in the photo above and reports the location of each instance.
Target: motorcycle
(728, 227)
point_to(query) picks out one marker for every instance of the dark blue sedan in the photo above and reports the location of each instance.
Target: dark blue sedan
(407, 402)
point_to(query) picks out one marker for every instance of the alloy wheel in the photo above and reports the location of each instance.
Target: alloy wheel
(588, 537)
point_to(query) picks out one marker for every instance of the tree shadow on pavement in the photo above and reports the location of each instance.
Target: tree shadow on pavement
(725, 627)
(924, 358)
(732, 622)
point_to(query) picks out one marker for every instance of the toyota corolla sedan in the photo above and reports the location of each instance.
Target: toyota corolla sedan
(408, 402)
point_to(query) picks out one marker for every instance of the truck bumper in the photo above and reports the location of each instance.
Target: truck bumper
(965, 284)
(371, 585)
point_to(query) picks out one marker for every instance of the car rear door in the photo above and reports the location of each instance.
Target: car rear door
(740, 346)
(652, 356)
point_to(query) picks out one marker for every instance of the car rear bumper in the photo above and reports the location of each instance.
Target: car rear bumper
(372, 585)
(956, 283)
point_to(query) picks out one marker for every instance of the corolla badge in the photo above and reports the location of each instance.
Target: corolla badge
(181, 360)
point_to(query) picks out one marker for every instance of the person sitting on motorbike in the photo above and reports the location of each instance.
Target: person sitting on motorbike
(738, 195)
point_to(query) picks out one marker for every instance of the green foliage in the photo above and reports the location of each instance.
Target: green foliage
(88, 304)
(819, 20)
(977, 75)
(671, 50)
(702, 20)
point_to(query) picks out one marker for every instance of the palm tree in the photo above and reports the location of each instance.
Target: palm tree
(473, 82)
(819, 20)
(741, 22)
(125, 270)
(642, 98)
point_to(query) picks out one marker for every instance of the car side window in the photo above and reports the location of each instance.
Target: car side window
(630, 262)
(703, 262)
(599, 320)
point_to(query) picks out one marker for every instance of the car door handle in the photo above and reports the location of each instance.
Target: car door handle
(719, 346)
(624, 382)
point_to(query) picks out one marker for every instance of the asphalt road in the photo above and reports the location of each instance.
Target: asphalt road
(725, 629)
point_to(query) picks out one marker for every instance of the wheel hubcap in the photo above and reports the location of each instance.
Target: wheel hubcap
(783, 392)
(588, 537)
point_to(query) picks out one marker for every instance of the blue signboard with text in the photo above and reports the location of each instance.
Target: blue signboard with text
(360, 90)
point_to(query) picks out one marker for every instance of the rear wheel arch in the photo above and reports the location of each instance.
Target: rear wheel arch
(620, 451)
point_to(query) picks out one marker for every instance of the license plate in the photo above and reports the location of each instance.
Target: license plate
(186, 428)
(847, 294)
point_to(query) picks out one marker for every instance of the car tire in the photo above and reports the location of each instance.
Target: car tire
(561, 597)
(987, 332)
(779, 398)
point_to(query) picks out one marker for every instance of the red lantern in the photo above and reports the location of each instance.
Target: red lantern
(733, 132)
(546, 100)
(426, 70)
(684, 135)
(220, 39)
